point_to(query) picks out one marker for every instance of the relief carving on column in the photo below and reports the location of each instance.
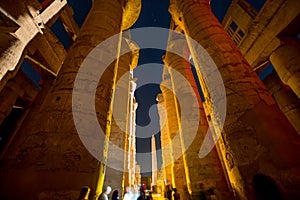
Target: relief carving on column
(38, 150)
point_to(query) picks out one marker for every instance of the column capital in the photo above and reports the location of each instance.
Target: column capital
(131, 13)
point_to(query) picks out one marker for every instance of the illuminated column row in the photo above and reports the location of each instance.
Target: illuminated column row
(258, 139)
(201, 173)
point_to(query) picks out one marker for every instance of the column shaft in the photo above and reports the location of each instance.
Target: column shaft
(177, 161)
(208, 170)
(48, 159)
(119, 121)
(258, 139)
(165, 138)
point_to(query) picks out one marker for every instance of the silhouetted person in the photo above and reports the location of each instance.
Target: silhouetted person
(150, 196)
(203, 193)
(141, 197)
(212, 194)
(105, 193)
(176, 195)
(265, 188)
(142, 192)
(115, 195)
(169, 192)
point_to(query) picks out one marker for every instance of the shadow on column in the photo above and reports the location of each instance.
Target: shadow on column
(265, 188)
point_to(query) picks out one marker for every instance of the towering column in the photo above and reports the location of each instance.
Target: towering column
(164, 139)
(136, 172)
(133, 143)
(47, 159)
(121, 116)
(286, 99)
(258, 139)
(286, 62)
(175, 145)
(130, 151)
(206, 171)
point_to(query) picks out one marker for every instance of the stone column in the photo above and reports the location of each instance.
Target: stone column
(286, 99)
(131, 137)
(133, 161)
(120, 118)
(130, 147)
(205, 171)
(177, 161)
(258, 139)
(286, 62)
(129, 126)
(48, 160)
(164, 139)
